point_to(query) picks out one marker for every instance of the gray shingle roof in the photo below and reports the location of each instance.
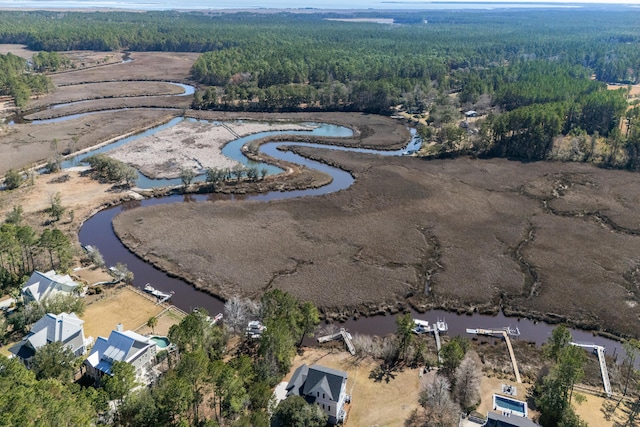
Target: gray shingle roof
(324, 380)
(297, 381)
(499, 420)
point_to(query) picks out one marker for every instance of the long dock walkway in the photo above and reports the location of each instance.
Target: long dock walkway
(513, 356)
(505, 334)
(603, 364)
(438, 344)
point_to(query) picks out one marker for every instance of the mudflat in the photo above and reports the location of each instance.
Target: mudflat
(192, 145)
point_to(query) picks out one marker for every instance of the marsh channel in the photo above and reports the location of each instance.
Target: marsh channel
(97, 231)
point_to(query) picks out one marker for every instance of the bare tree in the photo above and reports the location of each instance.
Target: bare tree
(364, 344)
(468, 377)
(438, 410)
(237, 312)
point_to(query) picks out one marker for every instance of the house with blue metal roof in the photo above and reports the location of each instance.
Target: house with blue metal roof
(66, 328)
(121, 346)
(321, 386)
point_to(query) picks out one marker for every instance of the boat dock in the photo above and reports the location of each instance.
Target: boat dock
(505, 334)
(346, 336)
(603, 364)
(423, 327)
(162, 296)
(347, 340)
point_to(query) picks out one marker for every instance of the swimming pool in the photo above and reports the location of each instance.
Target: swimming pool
(508, 405)
(161, 342)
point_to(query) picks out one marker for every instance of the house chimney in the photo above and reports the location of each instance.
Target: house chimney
(119, 327)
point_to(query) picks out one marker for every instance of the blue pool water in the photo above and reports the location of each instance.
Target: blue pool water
(515, 406)
(161, 342)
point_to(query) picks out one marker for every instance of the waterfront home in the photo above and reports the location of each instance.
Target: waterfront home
(321, 386)
(66, 328)
(44, 285)
(121, 346)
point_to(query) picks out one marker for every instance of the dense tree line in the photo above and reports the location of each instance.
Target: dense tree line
(16, 80)
(49, 61)
(23, 250)
(26, 400)
(286, 60)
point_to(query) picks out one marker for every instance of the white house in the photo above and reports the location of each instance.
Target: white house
(66, 328)
(44, 285)
(321, 386)
(121, 346)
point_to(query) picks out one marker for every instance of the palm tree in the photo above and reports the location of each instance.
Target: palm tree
(152, 323)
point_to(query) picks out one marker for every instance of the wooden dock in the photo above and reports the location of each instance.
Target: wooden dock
(423, 327)
(342, 334)
(438, 344)
(505, 334)
(603, 364)
(330, 337)
(347, 340)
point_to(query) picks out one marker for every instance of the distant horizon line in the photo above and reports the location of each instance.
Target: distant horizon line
(328, 6)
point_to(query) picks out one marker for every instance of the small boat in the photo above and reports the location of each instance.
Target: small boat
(156, 293)
(421, 327)
(514, 332)
(442, 326)
(255, 329)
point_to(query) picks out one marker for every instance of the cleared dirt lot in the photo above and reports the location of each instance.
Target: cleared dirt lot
(547, 239)
(191, 145)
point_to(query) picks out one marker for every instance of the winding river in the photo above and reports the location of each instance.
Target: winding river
(98, 232)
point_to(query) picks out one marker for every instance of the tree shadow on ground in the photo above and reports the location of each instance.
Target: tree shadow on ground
(385, 372)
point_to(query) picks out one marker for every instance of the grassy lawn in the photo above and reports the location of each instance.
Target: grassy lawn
(384, 403)
(121, 305)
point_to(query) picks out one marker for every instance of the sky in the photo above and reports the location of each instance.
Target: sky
(292, 4)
